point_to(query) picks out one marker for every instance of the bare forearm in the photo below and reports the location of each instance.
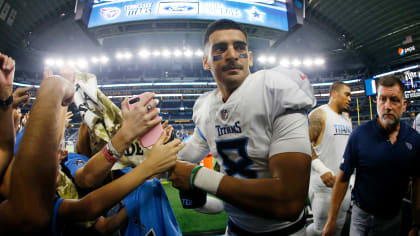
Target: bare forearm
(7, 138)
(100, 200)
(111, 224)
(35, 165)
(338, 194)
(97, 168)
(272, 198)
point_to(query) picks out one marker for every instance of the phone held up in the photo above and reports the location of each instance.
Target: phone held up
(154, 133)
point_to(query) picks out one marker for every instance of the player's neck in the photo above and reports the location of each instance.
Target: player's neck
(225, 91)
(225, 94)
(335, 108)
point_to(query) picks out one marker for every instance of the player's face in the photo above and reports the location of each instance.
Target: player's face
(227, 57)
(343, 98)
(390, 105)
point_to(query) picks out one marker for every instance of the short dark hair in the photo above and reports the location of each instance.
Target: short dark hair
(337, 85)
(222, 25)
(391, 80)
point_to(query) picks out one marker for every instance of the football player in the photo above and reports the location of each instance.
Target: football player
(256, 126)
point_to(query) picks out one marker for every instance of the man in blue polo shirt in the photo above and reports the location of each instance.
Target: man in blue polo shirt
(386, 153)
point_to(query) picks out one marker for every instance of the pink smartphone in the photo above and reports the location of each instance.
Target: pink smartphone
(152, 136)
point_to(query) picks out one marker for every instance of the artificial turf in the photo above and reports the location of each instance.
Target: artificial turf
(191, 221)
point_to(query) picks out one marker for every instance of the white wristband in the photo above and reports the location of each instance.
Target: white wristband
(319, 167)
(208, 180)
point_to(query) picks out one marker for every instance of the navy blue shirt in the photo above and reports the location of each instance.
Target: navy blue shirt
(383, 169)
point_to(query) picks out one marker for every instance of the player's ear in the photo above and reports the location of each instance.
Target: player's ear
(333, 93)
(405, 102)
(250, 58)
(206, 65)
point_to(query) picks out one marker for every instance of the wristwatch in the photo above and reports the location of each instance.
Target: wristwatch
(7, 102)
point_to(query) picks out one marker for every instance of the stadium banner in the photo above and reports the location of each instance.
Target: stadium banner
(266, 13)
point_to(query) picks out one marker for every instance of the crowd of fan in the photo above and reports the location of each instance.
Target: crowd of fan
(43, 187)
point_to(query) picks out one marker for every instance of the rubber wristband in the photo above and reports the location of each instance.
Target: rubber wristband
(192, 175)
(109, 157)
(208, 180)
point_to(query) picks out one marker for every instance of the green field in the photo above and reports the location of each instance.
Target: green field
(192, 222)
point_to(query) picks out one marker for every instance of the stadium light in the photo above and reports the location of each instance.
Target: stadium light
(319, 61)
(49, 62)
(144, 53)
(296, 62)
(271, 60)
(284, 62)
(128, 55)
(94, 60)
(199, 53)
(119, 55)
(308, 62)
(104, 59)
(262, 59)
(156, 53)
(188, 53)
(82, 63)
(166, 53)
(177, 53)
(59, 63)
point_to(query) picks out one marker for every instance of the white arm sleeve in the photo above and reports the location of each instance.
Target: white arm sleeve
(196, 148)
(290, 134)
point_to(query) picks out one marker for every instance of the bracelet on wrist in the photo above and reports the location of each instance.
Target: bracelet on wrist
(114, 151)
(109, 155)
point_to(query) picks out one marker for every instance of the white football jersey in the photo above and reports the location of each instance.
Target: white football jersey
(331, 149)
(417, 123)
(265, 116)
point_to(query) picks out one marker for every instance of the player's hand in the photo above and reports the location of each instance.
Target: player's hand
(328, 179)
(162, 156)
(21, 95)
(7, 75)
(330, 228)
(138, 120)
(180, 175)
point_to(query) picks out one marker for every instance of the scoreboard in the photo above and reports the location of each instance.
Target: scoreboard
(274, 14)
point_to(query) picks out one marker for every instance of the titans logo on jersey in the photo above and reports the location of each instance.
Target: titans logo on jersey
(229, 129)
(342, 129)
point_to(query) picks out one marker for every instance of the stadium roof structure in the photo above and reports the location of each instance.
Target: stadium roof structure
(371, 31)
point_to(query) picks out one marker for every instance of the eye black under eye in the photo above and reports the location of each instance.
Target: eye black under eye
(220, 47)
(240, 46)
